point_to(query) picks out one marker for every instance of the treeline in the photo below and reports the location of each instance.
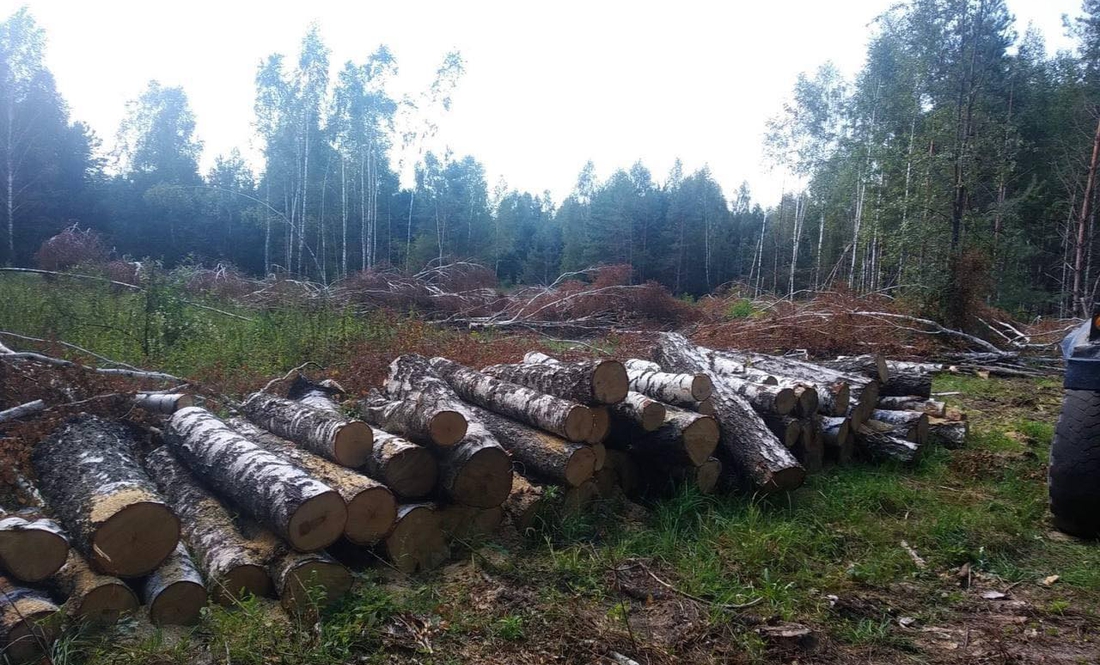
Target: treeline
(958, 165)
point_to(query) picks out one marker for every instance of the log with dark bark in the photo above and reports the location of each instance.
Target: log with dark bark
(165, 403)
(871, 365)
(589, 382)
(309, 514)
(547, 412)
(28, 622)
(466, 523)
(525, 503)
(233, 565)
(90, 475)
(930, 407)
(647, 378)
(837, 439)
(429, 412)
(771, 400)
(685, 437)
(901, 384)
(175, 593)
(747, 447)
(93, 598)
(308, 582)
(786, 428)
(638, 410)
(407, 469)
(32, 546)
(324, 433)
(877, 441)
(540, 454)
(371, 506)
(912, 425)
(947, 433)
(417, 542)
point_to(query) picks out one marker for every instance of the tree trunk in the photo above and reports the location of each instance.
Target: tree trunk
(553, 414)
(929, 407)
(28, 622)
(837, 439)
(417, 542)
(90, 475)
(680, 389)
(542, 455)
(307, 513)
(638, 410)
(93, 598)
(871, 365)
(683, 438)
(323, 433)
(174, 592)
(524, 504)
(808, 402)
(878, 442)
(466, 523)
(233, 565)
(407, 469)
(589, 382)
(772, 400)
(432, 412)
(908, 384)
(32, 546)
(371, 506)
(950, 434)
(308, 582)
(747, 448)
(320, 396)
(163, 403)
(913, 425)
(1079, 286)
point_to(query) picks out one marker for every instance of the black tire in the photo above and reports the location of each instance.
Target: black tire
(1075, 465)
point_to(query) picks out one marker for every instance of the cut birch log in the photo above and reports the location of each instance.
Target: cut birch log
(786, 428)
(407, 469)
(643, 412)
(90, 475)
(307, 513)
(417, 542)
(553, 414)
(175, 593)
(810, 449)
(541, 454)
(233, 565)
(948, 433)
(703, 478)
(589, 382)
(600, 452)
(877, 441)
(627, 474)
(330, 435)
(930, 407)
(747, 447)
(647, 378)
(29, 622)
(371, 506)
(808, 401)
(774, 400)
(601, 424)
(32, 546)
(706, 407)
(469, 523)
(93, 598)
(684, 438)
(837, 439)
(308, 582)
(165, 403)
(524, 504)
(901, 384)
(912, 425)
(22, 411)
(428, 410)
(871, 365)
(320, 396)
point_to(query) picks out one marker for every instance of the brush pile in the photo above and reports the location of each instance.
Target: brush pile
(264, 500)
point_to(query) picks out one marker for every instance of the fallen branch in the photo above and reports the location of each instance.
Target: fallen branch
(937, 328)
(22, 410)
(8, 354)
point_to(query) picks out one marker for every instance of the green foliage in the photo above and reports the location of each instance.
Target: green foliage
(740, 309)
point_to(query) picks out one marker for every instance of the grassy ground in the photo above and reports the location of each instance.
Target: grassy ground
(884, 564)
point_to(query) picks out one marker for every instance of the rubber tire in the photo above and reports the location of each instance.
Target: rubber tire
(1074, 477)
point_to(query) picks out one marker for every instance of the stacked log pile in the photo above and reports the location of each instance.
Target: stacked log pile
(441, 454)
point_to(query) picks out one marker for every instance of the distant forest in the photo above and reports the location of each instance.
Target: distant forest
(959, 163)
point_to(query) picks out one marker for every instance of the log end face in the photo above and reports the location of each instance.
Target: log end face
(371, 515)
(135, 540)
(417, 542)
(106, 604)
(653, 415)
(792, 434)
(705, 407)
(600, 452)
(412, 473)
(601, 425)
(353, 444)
(701, 387)
(842, 400)
(707, 475)
(180, 604)
(315, 582)
(447, 428)
(34, 554)
(578, 423)
(700, 439)
(24, 639)
(581, 466)
(610, 382)
(241, 582)
(785, 401)
(808, 401)
(785, 480)
(317, 523)
(485, 480)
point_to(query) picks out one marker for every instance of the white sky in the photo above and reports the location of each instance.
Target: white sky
(548, 85)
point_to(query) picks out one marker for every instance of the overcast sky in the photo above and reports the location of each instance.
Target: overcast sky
(548, 85)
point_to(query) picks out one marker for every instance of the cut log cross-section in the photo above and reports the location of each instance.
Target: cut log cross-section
(771, 400)
(555, 415)
(878, 442)
(175, 593)
(837, 439)
(869, 365)
(426, 409)
(233, 565)
(28, 622)
(747, 447)
(638, 410)
(324, 433)
(466, 523)
(166, 403)
(308, 582)
(912, 425)
(90, 475)
(684, 438)
(933, 408)
(647, 378)
(539, 453)
(93, 598)
(786, 428)
(371, 506)
(947, 433)
(32, 546)
(525, 503)
(589, 382)
(407, 469)
(307, 513)
(417, 542)
(601, 424)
